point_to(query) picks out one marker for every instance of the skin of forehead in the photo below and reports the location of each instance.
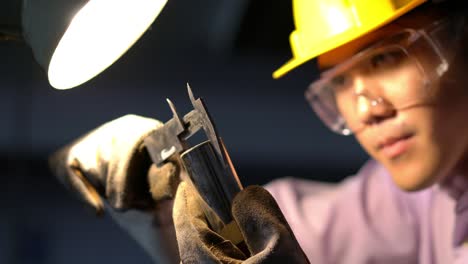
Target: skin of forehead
(416, 19)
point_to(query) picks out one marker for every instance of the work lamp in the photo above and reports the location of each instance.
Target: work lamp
(75, 40)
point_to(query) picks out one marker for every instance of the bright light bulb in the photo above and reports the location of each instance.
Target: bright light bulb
(98, 35)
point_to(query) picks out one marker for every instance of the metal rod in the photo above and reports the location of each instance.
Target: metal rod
(214, 182)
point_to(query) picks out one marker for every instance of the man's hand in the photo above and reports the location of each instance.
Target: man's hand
(266, 233)
(110, 170)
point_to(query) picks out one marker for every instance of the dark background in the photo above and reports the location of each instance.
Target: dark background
(226, 50)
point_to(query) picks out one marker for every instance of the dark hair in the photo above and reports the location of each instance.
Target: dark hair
(456, 9)
(450, 9)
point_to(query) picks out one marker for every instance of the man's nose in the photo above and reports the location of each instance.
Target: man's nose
(371, 106)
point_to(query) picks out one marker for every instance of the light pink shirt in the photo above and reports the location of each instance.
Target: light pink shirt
(367, 219)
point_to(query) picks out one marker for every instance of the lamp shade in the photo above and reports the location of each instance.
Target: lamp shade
(75, 40)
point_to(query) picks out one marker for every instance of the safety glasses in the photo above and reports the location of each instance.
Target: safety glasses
(396, 72)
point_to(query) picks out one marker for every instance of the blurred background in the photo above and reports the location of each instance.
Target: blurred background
(226, 50)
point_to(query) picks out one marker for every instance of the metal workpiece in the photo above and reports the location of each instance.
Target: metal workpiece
(207, 163)
(215, 183)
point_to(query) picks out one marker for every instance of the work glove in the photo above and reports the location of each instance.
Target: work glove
(267, 236)
(110, 170)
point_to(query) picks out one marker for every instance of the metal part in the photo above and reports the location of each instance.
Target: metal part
(214, 184)
(10, 20)
(207, 164)
(172, 136)
(10, 34)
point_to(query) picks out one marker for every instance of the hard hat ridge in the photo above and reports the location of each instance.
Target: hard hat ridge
(322, 25)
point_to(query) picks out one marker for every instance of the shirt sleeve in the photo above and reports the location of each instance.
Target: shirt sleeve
(364, 219)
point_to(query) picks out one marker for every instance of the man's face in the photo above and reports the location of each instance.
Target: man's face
(418, 141)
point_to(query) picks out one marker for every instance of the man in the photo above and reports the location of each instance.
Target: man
(392, 75)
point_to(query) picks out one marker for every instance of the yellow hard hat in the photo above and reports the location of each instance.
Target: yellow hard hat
(322, 25)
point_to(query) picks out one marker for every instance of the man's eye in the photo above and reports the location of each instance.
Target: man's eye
(339, 81)
(387, 60)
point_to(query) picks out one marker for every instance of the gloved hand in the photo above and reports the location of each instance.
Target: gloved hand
(266, 233)
(109, 169)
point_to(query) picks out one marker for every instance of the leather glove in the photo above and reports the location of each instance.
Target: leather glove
(266, 233)
(110, 170)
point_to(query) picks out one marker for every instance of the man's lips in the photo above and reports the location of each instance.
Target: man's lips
(392, 147)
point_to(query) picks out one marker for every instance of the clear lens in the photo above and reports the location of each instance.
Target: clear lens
(397, 71)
